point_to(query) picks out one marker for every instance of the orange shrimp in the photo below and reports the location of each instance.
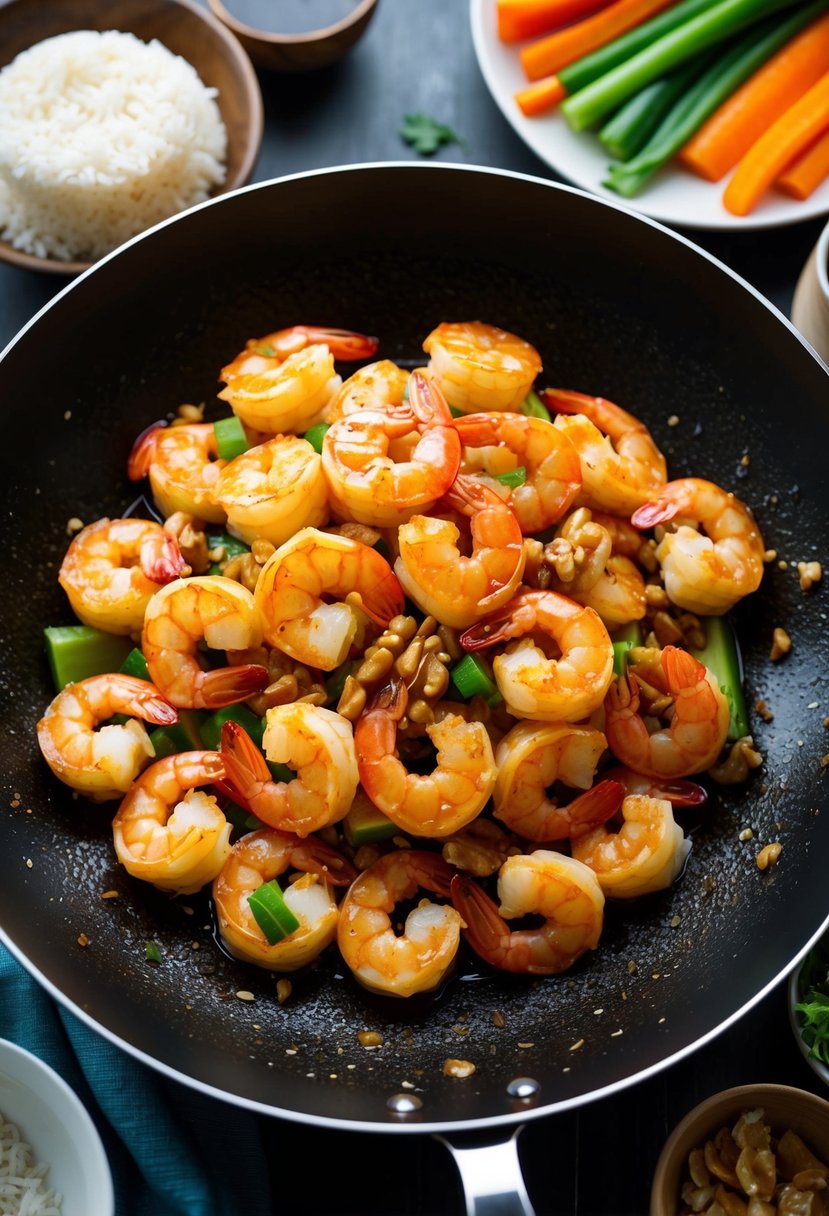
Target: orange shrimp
(262, 354)
(183, 465)
(646, 854)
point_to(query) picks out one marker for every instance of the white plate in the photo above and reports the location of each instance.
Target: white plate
(673, 196)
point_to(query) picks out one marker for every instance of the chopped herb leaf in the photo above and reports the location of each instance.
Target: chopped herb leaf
(426, 134)
(152, 953)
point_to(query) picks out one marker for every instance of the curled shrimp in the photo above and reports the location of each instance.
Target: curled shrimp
(453, 588)
(113, 567)
(480, 367)
(183, 465)
(263, 354)
(499, 443)
(563, 689)
(559, 888)
(101, 763)
(697, 731)
(317, 744)
(299, 581)
(382, 468)
(272, 490)
(377, 956)
(678, 793)
(645, 854)
(590, 572)
(261, 857)
(169, 832)
(435, 804)
(530, 759)
(377, 386)
(621, 465)
(177, 617)
(708, 571)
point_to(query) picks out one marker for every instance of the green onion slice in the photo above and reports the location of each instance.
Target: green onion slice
(231, 439)
(152, 953)
(472, 679)
(534, 407)
(135, 665)
(512, 478)
(316, 434)
(271, 913)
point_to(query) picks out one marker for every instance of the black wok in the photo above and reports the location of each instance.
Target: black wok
(617, 306)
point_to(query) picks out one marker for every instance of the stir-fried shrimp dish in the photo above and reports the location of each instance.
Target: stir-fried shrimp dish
(405, 664)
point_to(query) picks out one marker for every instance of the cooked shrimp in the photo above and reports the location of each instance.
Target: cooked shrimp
(436, 804)
(621, 465)
(625, 540)
(113, 567)
(260, 857)
(380, 958)
(618, 594)
(480, 367)
(382, 468)
(183, 465)
(530, 759)
(317, 744)
(178, 616)
(287, 395)
(453, 588)
(708, 571)
(605, 581)
(169, 832)
(678, 793)
(101, 763)
(377, 386)
(559, 888)
(645, 854)
(499, 443)
(263, 354)
(272, 490)
(565, 689)
(298, 583)
(697, 731)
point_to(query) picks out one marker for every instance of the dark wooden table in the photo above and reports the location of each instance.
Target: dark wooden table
(417, 56)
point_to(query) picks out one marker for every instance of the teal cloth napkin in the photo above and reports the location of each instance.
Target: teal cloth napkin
(172, 1150)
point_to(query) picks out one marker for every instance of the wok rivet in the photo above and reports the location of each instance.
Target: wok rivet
(404, 1104)
(523, 1088)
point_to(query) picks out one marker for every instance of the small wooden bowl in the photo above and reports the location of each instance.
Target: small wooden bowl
(299, 52)
(184, 28)
(785, 1108)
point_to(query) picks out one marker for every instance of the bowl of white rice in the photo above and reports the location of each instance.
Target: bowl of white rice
(52, 1161)
(115, 117)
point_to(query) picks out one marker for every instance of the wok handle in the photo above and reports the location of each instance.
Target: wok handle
(490, 1171)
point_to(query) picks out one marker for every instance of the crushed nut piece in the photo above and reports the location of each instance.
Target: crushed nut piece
(284, 988)
(244, 995)
(742, 758)
(577, 1046)
(769, 855)
(73, 525)
(781, 644)
(746, 834)
(109, 895)
(458, 1068)
(83, 940)
(673, 420)
(370, 1038)
(810, 573)
(498, 1019)
(763, 710)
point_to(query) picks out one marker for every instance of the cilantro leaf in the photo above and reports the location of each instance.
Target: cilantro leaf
(426, 134)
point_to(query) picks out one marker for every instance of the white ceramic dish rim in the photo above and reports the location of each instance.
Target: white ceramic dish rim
(31, 1073)
(792, 996)
(673, 197)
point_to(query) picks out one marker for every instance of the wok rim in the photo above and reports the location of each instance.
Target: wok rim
(419, 1127)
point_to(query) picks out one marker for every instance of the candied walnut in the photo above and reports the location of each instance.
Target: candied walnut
(757, 1172)
(792, 1202)
(740, 761)
(759, 1207)
(781, 644)
(810, 1180)
(354, 531)
(244, 569)
(697, 1198)
(793, 1157)
(721, 1155)
(458, 1068)
(480, 849)
(668, 632)
(731, 1203)
(769, 855)
(751, 1130)
(810, 573)
(697, 1168)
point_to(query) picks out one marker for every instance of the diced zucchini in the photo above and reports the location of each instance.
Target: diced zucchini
(76, 652)
(182, 736)
(211, 729)
(624, 640)
(135, 665)
(721, 655)
(364, 824)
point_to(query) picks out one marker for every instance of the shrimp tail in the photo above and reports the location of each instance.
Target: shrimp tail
(468, 495)
(143, 699)
(143, 451)
(385, 599)
(391, 701)
(344, 344)
(432, 872)
(162, 562)
(681, 669)
(428, 402)
(514, 619)
(316, 857)
(677, 792)
(594, 807)
(623, 694)
(651, 513)
(246, 770)
(228, 685)
(485, 929)
(566, 401)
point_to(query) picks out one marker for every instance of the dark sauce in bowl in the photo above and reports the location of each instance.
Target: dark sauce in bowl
(290, 16)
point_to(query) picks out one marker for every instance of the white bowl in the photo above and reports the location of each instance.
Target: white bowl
(794, 998)
(52, 1119)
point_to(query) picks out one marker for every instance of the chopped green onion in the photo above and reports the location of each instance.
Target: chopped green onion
(231, 439)
(624, 640)
(211, 730)
(135, 665)
(455, 413)
(230, 544)
(512, 478)
(240, 818)
(335, 683)
(365, 824)
(534, 407)
(382, 548)
(152, 953)
(316, 434)
(472, 679)
(271, 913)
(76, 652)
(280, 772)
(721, 655)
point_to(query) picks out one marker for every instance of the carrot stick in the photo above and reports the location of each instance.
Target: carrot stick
(805, 174)
(541, 96)
(784, 140)
(741, 120)
(547, 55)
(519, 19)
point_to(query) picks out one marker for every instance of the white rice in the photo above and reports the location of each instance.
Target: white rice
(23, 1189)
(101, 136)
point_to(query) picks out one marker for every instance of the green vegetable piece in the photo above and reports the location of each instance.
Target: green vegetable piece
(211, 729)
(630, 128)
(182, 736)
(240, 818)
(721, 655)
(425, 134)
(316, 435)
(152, 953)
(271, 913)
(472, 677)
(624, 640)
(534, 407)
(76, 652)
(512, 478)
(364, 824)
(335, 683)
(231, 439)
(232, 547)
(135, 665)
(455, 412)
(280, 772)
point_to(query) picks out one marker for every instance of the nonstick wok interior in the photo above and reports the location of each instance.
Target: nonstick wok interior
(617, 307)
